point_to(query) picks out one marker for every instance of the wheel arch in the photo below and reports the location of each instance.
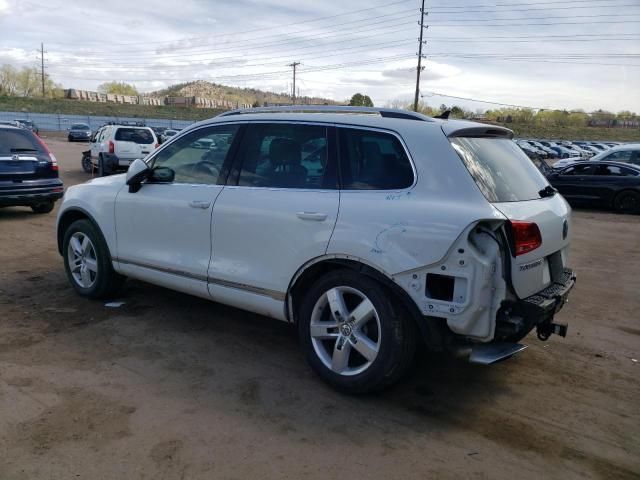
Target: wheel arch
(66, 220)
(432, 330)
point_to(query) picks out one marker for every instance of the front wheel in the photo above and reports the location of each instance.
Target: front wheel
(627, 202)
(87, 261)
(352, 334)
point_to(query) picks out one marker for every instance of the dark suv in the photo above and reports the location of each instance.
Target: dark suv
(28, 171)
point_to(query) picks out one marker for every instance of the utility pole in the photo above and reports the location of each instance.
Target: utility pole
(293, 90)
(42, 65)
(420, 67)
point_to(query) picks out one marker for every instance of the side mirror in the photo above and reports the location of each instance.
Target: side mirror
(162, 175)
(138, 172)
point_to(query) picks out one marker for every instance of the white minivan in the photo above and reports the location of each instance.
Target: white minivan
(373, 231)
(114, 147)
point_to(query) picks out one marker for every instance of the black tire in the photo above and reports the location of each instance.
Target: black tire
(627, 202)
(44, 207)
(107, 281)
(70, 138)
(87, 165)
(397, 336)
(100, 166)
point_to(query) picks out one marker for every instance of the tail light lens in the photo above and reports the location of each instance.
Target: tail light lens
(52, 157)
(526, 237)
(112, 147)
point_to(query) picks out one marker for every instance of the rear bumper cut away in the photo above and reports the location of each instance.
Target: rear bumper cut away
(517, 318)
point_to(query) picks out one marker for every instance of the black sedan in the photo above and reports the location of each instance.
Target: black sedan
(28, 171)
(607, 184)
(79, 131)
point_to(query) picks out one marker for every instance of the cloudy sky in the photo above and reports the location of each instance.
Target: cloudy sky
(539, 53)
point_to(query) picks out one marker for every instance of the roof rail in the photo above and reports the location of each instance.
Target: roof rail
(383, 112)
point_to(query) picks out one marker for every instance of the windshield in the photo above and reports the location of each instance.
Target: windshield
(79, 126)
(500, 169)
(136, 135)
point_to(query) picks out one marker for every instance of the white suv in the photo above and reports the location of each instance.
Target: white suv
(372, 231)
(114, 147)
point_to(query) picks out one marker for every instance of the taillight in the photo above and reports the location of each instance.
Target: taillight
(526, 236)
(112, 147)
(52, 157)
(157, 145)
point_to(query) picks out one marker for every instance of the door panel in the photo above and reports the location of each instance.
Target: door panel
(164, 230)
(280, 216)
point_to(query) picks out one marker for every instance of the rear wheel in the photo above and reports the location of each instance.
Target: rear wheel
(627, 202)
(352, 334)
(44, 207)
(87, 166)
(87, 261)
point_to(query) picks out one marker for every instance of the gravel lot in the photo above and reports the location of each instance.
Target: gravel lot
(170, 386)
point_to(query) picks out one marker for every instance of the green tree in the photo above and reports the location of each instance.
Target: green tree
(119, 88)
(359, 100)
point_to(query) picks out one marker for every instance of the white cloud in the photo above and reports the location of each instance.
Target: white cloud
(244, 42)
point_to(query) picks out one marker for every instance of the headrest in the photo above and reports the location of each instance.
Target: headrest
(284, 151)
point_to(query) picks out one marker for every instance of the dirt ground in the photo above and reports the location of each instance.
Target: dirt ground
(169, 386)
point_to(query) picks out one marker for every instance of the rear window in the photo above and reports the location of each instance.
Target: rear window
(16, 141)
(79, 126)
(500, 169)
(136, 135)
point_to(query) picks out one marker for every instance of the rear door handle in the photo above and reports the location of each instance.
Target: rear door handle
(199, 204)
(317, 216)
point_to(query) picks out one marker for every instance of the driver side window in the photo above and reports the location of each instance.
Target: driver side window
(198, 157)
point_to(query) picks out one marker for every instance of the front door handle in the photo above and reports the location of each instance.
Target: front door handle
(317, 216)
(199, 204)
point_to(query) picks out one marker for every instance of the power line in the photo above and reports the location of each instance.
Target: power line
(317, 19)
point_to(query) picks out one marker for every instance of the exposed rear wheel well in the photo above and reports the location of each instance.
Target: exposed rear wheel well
(431, 329)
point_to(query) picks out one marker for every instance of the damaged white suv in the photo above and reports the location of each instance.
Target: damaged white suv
(373, 230)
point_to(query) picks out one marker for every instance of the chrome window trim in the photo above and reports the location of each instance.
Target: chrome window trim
(336, 125)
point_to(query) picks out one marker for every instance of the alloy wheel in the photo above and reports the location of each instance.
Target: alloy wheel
(345, 330)
(83, 262)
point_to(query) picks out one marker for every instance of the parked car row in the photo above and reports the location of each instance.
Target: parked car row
(626, 153)
(572, 150)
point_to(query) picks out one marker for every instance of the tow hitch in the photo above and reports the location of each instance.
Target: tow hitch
(546, 329)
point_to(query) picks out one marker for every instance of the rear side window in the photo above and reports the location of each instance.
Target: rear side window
(135, 135)
(500, 169)
(16, 141)
(620, 156)
(614, 171)
(284, 156)
(577, 170)
(371, 160)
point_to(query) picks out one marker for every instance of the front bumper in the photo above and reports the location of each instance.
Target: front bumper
(30, 192)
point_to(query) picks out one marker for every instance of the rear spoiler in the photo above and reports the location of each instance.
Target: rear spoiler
(476, 130)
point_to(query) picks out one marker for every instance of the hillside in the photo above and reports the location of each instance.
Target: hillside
(74, 107)
(204, 89)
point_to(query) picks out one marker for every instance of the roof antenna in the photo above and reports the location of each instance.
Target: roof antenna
(444, 115)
